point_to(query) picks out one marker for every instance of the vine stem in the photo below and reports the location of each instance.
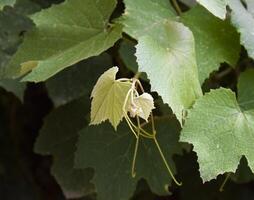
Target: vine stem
(142, 132)
(166, 163)
(177, 7)
(224, 182)
(133, 171)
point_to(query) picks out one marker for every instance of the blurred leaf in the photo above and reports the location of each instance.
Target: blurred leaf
(6, 2)
(58, 137)
(12, 24)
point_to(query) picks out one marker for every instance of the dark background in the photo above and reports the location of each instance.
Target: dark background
(25, 175)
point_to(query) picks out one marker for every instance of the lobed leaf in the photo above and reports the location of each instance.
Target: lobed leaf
(112, 154)
(220, 132)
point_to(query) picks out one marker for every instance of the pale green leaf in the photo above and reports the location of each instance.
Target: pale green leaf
(64, 34)
(108, 100)
(250, 6)
(220, 132)
(142, 16)
(58, 138)
(217, 7)
(6, 2)
(78, 80)
(110, 153)
(246, 90)
(142, 106)
(216, 41)
(169, 60)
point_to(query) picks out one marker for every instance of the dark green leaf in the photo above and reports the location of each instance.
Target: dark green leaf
(58, 137)
(246, 90)
(216, 41)
(110, 153)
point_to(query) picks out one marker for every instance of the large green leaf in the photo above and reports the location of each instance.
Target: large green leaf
(6, 2)
(143, 16)
(65, 34)
(217, 7)
(216, 41)
(109, 97)
(246, 90)
(58, 137)
(73, 82)
(169, 60)
(110, 154)
(220, 132)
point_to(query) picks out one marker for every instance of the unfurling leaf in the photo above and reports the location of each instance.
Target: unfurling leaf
(109, 96)
(142, 106)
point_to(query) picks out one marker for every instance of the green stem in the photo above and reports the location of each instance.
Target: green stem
(224, 182)
(166, 163)
(133, 171)
(177, 7)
